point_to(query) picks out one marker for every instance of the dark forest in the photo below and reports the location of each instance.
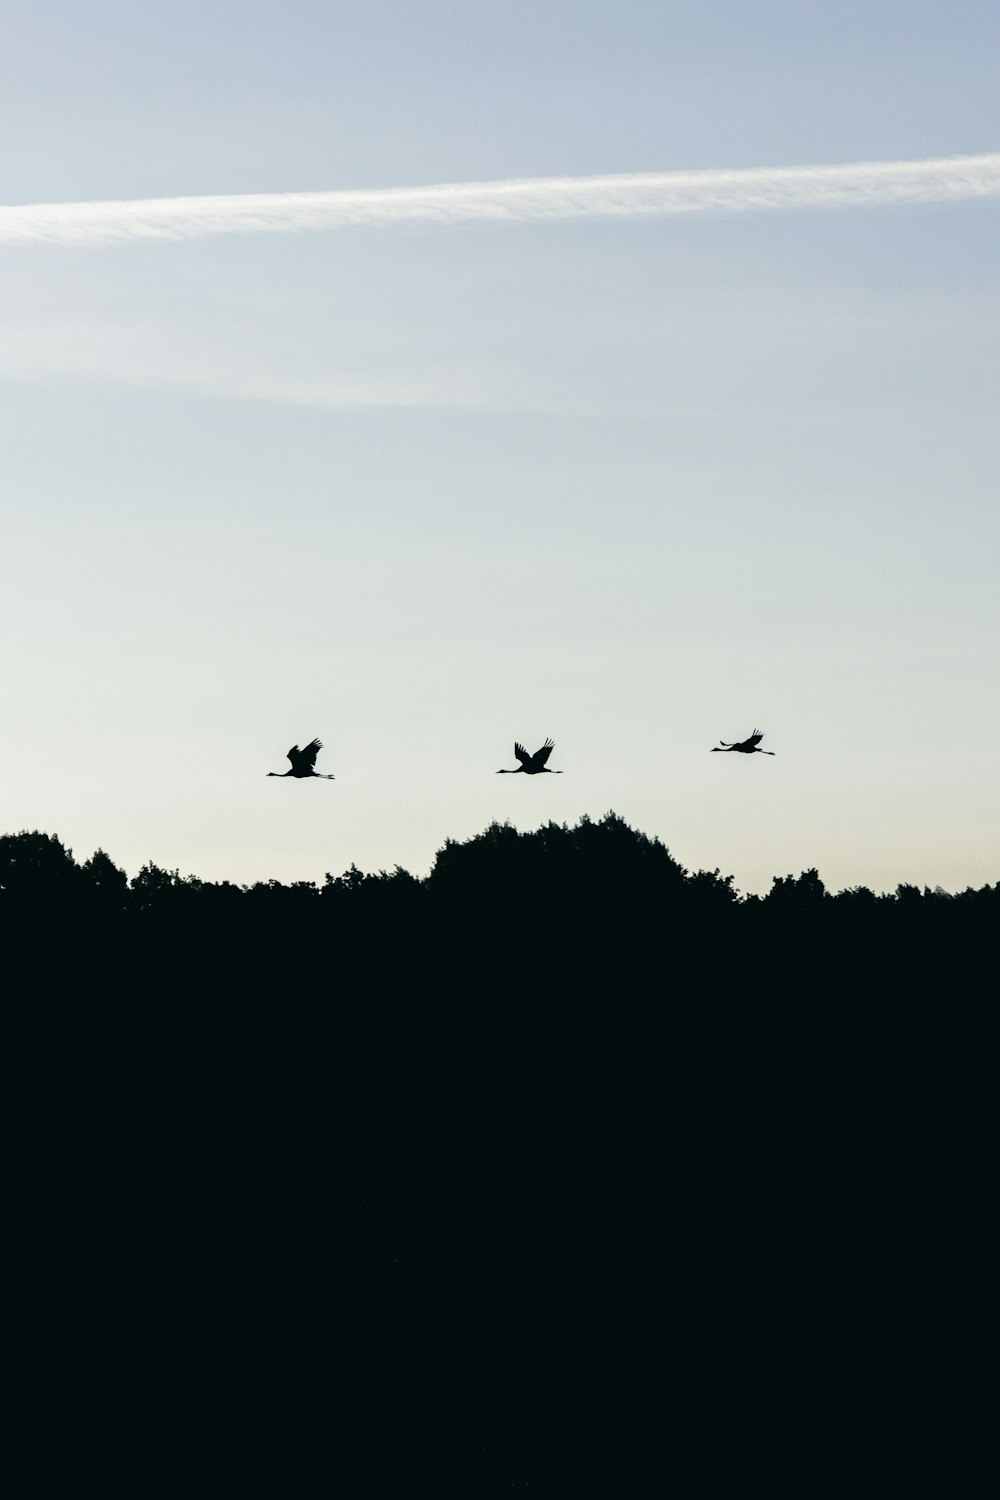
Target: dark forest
(581, 906)
(550, 1172)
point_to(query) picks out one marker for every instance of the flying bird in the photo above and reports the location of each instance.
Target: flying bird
(532, 765)
(744, 747)
(304, 762)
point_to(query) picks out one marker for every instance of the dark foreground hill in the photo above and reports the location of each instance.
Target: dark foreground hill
(563, 1170)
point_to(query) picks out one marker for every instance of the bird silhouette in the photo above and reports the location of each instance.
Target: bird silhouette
(744, 747)
(304, 762)
(532, 765)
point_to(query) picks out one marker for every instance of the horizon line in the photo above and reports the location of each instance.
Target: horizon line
(510, 200)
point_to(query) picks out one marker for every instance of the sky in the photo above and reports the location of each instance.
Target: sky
(424, 484)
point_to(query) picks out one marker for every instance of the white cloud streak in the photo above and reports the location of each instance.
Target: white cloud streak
(940, 180)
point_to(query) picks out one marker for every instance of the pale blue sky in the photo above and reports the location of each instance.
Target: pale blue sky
(635, 484)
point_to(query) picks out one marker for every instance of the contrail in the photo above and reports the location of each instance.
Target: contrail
(940, 180)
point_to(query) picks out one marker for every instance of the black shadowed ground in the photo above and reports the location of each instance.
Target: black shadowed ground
(562, 1170)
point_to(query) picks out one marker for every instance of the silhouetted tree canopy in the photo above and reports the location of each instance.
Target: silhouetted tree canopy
(487, 1117)
(597, 906)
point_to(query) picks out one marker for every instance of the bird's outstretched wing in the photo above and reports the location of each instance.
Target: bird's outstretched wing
(542, 755)
(522, 754)
(305, 760)
(755, 738)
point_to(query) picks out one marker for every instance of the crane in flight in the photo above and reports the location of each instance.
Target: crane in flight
(304, 762)
(744, 747)
(532, 765)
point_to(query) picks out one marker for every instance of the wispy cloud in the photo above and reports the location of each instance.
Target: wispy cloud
(146, 354)
(946, 179)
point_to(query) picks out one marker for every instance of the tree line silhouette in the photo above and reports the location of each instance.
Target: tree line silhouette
(594, 903)
(448, 1157)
